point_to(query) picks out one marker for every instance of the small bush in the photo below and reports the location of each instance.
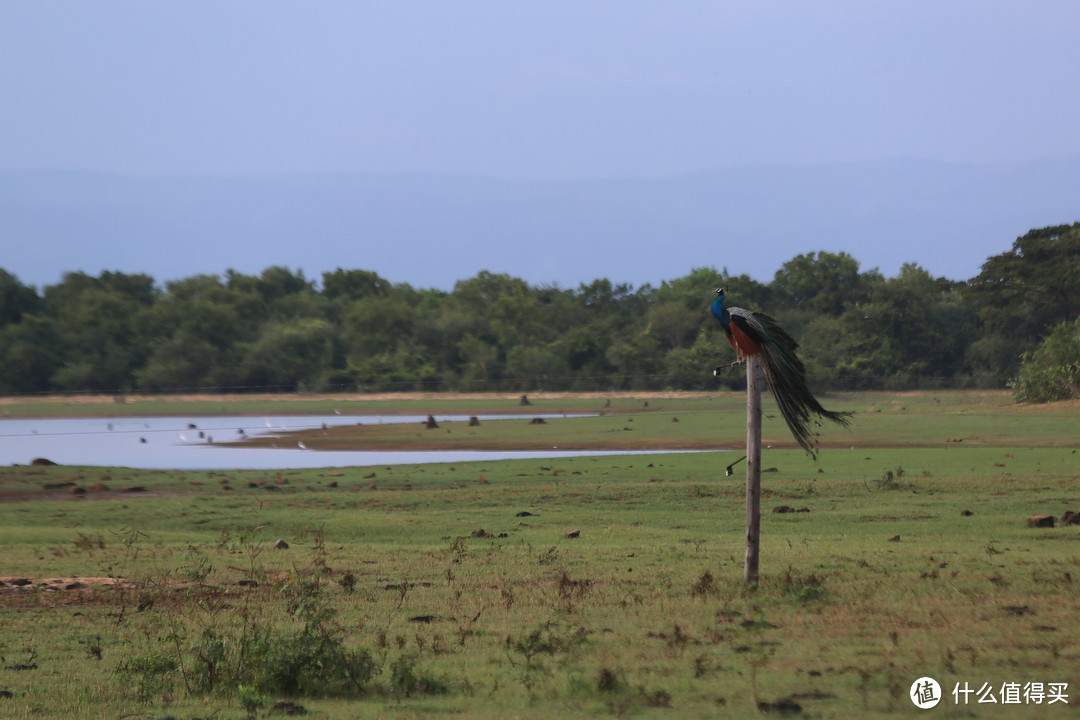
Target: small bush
(608, 681)
(406, 682)
(197, 566)
(308, 661)
(301, 654)
(547, 639)
(802, 587)
(347, 583)
(153, 674)
(890, 480)
(1052, 371)
(250, 699)
(88, 543)
(656, 698)
(571, 591)
(705, 586)
(549, 556)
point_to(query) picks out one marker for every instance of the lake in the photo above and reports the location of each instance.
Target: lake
(183, 443)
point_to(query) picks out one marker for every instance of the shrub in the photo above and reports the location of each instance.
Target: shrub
(153, 674)
(1052, 371)
(405, 681)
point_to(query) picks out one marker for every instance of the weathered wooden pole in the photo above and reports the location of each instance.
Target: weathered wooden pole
(753, 469)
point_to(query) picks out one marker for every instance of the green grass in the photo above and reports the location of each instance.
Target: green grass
(718, 421)
(305, 404)
(644, 614)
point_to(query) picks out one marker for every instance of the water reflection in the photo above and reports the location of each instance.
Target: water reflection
(183, 443)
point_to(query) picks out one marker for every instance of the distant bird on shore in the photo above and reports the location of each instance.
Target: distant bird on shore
(751, 334)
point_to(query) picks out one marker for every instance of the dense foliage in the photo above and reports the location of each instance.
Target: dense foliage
(1052, 371)
(121, 333)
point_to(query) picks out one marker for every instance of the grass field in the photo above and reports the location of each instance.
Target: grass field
(536, 589)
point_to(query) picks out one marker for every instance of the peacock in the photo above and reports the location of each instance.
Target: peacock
(755, 333)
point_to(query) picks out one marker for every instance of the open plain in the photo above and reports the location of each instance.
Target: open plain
(593, 586)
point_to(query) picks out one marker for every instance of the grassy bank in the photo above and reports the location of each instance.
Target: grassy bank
(427, 590)
(718, 421)
(328, 404)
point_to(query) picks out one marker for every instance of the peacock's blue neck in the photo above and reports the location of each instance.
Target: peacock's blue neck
(719, 311)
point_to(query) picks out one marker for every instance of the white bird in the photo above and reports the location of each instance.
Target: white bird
(301, 445)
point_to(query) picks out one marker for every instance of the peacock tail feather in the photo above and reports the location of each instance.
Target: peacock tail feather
(759, 334)
(787, 380)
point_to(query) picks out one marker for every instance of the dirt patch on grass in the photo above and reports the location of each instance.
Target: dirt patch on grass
(16, 585)
(1060, 406)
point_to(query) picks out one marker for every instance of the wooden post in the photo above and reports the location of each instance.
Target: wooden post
(753, 469)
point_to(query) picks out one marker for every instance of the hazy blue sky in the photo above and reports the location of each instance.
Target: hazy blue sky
(559, 90)
(553, 89)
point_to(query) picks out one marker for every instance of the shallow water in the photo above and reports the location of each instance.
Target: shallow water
(183, 443)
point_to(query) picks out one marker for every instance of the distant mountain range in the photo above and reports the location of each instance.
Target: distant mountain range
(431, 231)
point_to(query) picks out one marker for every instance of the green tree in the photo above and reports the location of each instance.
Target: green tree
(183, 362)
(638, 362)
(290, 355)
(603, 298)
(584, 352)
(278, 282)
(743, 291)
(536, 368)
(201, 327)
(29, 355)
(406, 367)
(692, 367)
(1051, 371)
(376, 324)
(116, 332)
(693, 291)
(673, 325)
(1022, 294)
(97, 323)
(354, 285)
(820, 283)
(594, 342)
(480, 362)
(913, 329)
(16, 299)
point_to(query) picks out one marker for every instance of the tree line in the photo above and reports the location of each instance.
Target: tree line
(1015, 323)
